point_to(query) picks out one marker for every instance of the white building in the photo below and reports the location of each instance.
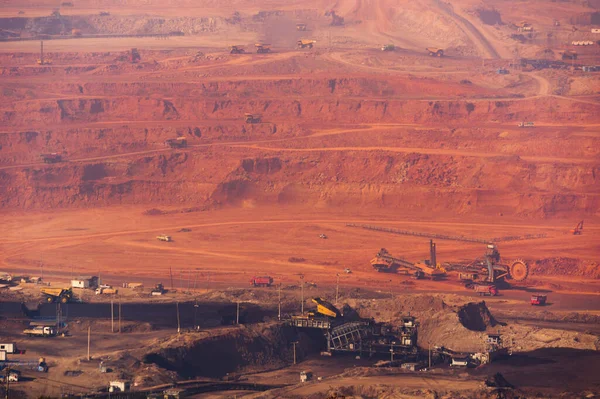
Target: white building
(9, 348)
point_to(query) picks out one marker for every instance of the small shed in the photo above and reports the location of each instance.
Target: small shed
(119, 386)
(3, 357)
(84, 282)
(494, 339)
(8, 347)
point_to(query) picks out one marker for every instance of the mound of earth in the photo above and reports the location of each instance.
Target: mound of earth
(566, 267)
(476, 316)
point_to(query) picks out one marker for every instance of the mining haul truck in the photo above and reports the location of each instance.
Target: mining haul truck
(261, 281)
(179, 142)
(262, 48)
(51, 158)
(434, 51)
(305, 43)
(57, 295)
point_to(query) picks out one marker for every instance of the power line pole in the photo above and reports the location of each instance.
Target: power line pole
(294, 343)
(119, 317)
(112, 316)
(430, 355)
(237, 313)
(279, 293)
(178, 320)
(89, 339)
(302, 289)
(337, 288)
(171, 275)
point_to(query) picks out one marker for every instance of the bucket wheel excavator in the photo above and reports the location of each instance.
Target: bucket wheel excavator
(490, 269)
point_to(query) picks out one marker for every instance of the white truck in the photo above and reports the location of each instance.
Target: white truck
(164, 237)
(40, 331)
(526, 124)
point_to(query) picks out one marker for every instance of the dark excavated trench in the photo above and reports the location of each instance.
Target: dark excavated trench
(254, 348)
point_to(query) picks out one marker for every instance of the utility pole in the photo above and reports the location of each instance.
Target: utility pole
(112, 316)
(171, 275)
(41, 269)
(119, 317)
(42, 52)
(89, 339)
(279, 293)
(7, 381)
(237, 313)
(178, 320)
(392, 351)
(195, 280)
(430, 355)
(294, 343)
(337, 288)
(302, 289)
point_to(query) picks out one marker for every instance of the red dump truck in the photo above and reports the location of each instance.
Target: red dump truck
(261, 281)
(538, 300)
(485, 289)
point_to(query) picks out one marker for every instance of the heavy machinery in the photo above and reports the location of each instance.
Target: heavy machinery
(179, 142)
(538, 300)
(325, 308)
(388, 47)
(262, 48)
(502, 71)
(526, 124)
(61, 295)
(236, 49)
(40, 331)
(305, 43)
(51, 157)
(435, 51)
(164, 237)
(385, 262)
(569, 55)
(134, 56)
(578, 229)
(485, 289)
(253, 118)
(261, 281)
(336, 20)
(301, 27)
(158, 289)
(489, 269)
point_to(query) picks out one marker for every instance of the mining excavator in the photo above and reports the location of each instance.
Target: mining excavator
(489, 269)
(385, 262)
(578, 229)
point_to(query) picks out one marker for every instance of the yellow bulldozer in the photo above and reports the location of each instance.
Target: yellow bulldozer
(61, 295)
(435, 51)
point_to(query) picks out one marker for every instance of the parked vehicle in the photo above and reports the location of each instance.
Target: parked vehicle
(261, 281)
(538, 300)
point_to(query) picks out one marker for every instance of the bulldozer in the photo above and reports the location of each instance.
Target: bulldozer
(262, 48)
(435, 51)
(569, 55)
(304, 43)
(236, 49)
(179, 142)
(253, 118)
(61, 295)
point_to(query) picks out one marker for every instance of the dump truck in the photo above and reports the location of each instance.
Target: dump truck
(253, 118)
(262, 48)
(538, 300)
(569, 55)
(179, 142)
(305, 43)
(158, 289)
(106, 291)
(435, 51)
(485, 289)
(261, 281)
(236, 49)
(51, 157)
(301, 27)
(164, 237)
(40, 331)
(57, 295)
(388, 47)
